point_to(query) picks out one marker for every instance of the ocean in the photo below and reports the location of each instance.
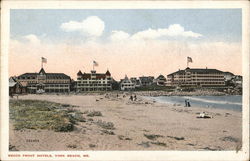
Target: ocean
(232, 102)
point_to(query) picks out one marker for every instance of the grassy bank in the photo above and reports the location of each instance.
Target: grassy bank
(36, 114)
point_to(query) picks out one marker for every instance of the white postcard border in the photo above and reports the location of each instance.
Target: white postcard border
(125, 155)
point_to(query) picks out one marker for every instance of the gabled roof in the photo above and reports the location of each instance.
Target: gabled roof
(42, 71)
(108, 73)
(126, 80)
(160, 77)
(12, 82)
(79, 73)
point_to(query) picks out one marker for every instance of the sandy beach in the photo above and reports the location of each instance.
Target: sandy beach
(138, 125)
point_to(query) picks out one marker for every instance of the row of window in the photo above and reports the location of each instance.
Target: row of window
(94, 89)
(201, 83)
(94, 79)
(40, 77)
(49, 90)
(85, 82)
(103, 85)
(127, 85)
(221, 77)
(200, 80)
(47, 81)
(52, 85)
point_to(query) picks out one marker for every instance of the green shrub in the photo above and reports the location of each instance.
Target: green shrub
(93, 113)
(36, 114)
(105, 125)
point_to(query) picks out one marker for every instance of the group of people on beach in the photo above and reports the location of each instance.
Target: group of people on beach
(187, 103)
(133, 98)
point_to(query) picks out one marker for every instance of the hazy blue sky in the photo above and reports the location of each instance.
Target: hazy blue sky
(213, 24)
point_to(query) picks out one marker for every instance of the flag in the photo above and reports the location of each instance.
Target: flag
(189, 60)
(95, 63)
(44, 60)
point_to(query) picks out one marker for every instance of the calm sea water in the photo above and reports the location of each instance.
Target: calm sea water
(224, 102)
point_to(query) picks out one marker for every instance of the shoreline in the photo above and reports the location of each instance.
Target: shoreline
(148, 93)
(205, 107)
(138, 125)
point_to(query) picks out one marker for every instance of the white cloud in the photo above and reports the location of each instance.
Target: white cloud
(119, 36)
(174, 30)
(32, 39)
(92, 26)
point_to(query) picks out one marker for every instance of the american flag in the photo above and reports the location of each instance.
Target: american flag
(44, 60)
(189, 60)
(95, 63)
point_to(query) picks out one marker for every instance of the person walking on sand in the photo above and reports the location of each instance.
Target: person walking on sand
(131, 98)
(186, 104)
(135, 98)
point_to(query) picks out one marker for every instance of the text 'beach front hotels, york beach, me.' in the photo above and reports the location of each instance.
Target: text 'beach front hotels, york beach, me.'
(43, 82)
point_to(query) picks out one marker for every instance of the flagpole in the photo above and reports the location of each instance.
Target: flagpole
(42, 62)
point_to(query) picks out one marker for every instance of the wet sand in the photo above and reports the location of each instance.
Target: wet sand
(139, 125)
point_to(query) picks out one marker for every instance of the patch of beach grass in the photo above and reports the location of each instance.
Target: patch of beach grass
(159, 143)
(12, 148)
(121, 137)
(37, 114)
(93, 113)
(105, 125)
(72, 146)
(92, 145)
(152, 136)
(230, 139)
(109, 132)
(177, 138)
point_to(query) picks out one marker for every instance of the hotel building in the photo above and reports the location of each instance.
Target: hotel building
(161, 80)
(196, 77)
(146, 80)
(93, 81)
(45, 82)
(126, 84)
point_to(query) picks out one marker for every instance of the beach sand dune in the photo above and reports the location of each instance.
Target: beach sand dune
(137, 125)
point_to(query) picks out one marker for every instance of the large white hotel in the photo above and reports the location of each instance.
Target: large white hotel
(45, 82)
(196, 77)
(93, 81)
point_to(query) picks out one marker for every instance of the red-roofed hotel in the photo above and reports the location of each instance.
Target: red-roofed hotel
(93, 81)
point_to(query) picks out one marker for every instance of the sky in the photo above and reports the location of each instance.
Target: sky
(132, 42)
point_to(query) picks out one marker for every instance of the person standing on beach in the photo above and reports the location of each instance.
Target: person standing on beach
(186, 104)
